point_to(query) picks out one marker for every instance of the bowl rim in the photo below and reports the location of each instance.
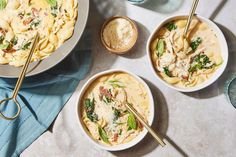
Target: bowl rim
(224, 53)
(134, 141)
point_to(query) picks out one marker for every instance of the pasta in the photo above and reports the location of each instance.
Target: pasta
(104, 113)
(185, 62)
(20, 19)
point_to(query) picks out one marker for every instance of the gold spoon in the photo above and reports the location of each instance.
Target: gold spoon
(190, 17)
(19, 83)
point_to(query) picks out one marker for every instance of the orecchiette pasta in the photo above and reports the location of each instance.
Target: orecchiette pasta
(19, 21)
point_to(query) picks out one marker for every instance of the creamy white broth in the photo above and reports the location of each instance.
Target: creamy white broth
(115, 126)
(183, 63)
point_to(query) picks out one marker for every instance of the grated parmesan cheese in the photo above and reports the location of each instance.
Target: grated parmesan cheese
(118, 34)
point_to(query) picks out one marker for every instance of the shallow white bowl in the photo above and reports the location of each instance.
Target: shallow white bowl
(224, 53)
(141, 134)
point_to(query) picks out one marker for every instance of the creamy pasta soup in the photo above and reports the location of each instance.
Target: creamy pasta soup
(186, 62)
(19, 21)
(103, 108)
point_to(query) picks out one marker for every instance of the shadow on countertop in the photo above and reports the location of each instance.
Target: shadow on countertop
(139, 50)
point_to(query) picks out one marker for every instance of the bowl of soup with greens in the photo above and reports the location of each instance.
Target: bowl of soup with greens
(187, 63)
(102, 111)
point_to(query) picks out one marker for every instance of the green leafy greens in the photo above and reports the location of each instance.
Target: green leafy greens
(26, 45)
(171, 26)
(201, 61)
(34, 24)
(160, 47)
(116, 113)
(89, 107)
(3, 4)
(131, 122)
(194, 44)
(103, 134)
(53, 3)
(166, 71)
(54, 10)
(4, 46)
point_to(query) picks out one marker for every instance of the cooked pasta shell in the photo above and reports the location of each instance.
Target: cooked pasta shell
(154, 45)
(181, 23)
(171, 80)
(13, 4)
(43, 43)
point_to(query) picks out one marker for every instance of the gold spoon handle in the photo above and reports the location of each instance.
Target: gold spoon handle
(25, 67)
(19, 83)
(146, 125)
(190, 17)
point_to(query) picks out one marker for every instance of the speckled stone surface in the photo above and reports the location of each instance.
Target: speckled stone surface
(199, 124)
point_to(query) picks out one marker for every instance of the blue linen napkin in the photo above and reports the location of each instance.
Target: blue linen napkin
(41, 97)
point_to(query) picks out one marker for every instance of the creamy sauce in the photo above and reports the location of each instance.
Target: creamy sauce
(20, 20)
(108, 95)
(186, 62)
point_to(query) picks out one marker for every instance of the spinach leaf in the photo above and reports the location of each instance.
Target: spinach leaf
(160, 47)
(201, 61)
(116, 113)
(89, 107)
(92, 116)
(132, 122)
(194, 44)
(54, 10)
(4, 46)
(103, 135)
(166, 71)
(171, 26)
(34, 24)
(107, 100)
(53, 3)
(26, 45)
(3, 4)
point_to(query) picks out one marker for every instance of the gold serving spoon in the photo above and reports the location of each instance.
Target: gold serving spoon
(190, 17)
(19, 83)
(146, 125)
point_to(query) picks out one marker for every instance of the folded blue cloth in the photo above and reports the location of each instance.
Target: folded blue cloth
(41, 97)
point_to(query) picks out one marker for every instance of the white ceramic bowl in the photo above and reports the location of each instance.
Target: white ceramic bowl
(224, 53)
(121, 146)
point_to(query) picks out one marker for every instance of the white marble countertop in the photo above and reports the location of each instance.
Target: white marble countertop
(199, 124)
